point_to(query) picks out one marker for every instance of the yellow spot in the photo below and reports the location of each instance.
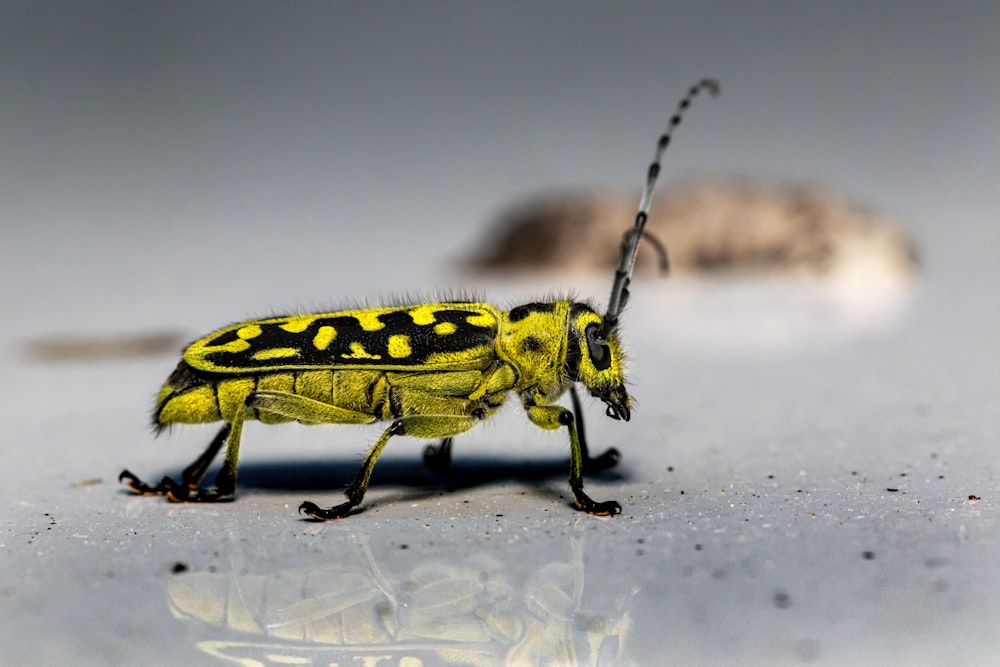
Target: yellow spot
(423, 315)
(368, 320)
(276, 353)
(297, 324)
(324, 337)
(249, 331)
(399, 346)
(445, 328)
(233, 347)
(358, 352)
(482, 320)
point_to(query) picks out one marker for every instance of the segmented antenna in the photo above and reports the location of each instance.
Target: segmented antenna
(630, 241)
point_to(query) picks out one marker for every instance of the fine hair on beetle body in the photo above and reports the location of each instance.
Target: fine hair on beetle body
(429, 369)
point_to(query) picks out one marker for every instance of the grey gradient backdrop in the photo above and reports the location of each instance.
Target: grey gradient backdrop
(181, 143)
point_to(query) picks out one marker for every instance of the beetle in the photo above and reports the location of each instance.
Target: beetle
(432, 370)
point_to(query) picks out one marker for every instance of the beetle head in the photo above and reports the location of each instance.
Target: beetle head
(597, 362)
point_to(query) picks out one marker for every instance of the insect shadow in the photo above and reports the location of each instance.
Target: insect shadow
(467, 472)
(464, 473)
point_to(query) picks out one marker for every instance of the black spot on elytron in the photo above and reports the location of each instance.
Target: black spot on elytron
(225, 337)
(520, 312)
(423, 340)
(531, 344)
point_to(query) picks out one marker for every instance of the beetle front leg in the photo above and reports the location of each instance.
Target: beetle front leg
(552, 417)
(609, 459)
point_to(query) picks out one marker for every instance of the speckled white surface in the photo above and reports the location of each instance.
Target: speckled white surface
(796, 481)
(808, 504)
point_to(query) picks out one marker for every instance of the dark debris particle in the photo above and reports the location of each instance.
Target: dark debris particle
(670, 468)
(404, 546)
(179, 568)
(891, 489)
(697, 547)
(972, 497)
(868, 555)
(782, 600)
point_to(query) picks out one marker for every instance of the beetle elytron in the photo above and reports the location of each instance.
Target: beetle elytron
(432, 370)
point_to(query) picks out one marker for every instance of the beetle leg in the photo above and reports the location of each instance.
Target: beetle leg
(356, 491)
(191, 476)
(420, 426)
(437, 457)
(609, 459)
(225, 481)
(552, 417)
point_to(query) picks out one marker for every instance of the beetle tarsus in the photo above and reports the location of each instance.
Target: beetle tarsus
(316, 512)
(174, 491)
(165, 486)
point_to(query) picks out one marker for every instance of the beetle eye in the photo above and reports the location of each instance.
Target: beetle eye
(600, 354)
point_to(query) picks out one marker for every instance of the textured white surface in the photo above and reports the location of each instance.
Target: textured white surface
(795, 482)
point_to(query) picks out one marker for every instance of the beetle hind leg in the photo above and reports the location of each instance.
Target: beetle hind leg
(190, 478)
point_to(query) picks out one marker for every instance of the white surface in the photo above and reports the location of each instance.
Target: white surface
(176, 189)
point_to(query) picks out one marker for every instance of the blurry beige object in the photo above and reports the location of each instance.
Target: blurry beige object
(709, 227)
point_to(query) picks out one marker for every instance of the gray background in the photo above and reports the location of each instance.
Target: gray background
(179, 166)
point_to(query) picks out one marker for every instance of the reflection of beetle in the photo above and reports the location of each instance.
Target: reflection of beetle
(471, 611)
(433, 370)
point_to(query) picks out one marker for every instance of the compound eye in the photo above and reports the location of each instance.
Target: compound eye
(600, 354)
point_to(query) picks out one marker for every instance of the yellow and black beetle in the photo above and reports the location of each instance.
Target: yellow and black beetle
(432, 370)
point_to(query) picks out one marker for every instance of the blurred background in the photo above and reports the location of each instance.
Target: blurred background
(161, 162)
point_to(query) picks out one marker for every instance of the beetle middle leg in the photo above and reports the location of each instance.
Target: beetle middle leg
(420, 426)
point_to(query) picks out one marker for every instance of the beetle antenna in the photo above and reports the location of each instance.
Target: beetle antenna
(630, 241)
